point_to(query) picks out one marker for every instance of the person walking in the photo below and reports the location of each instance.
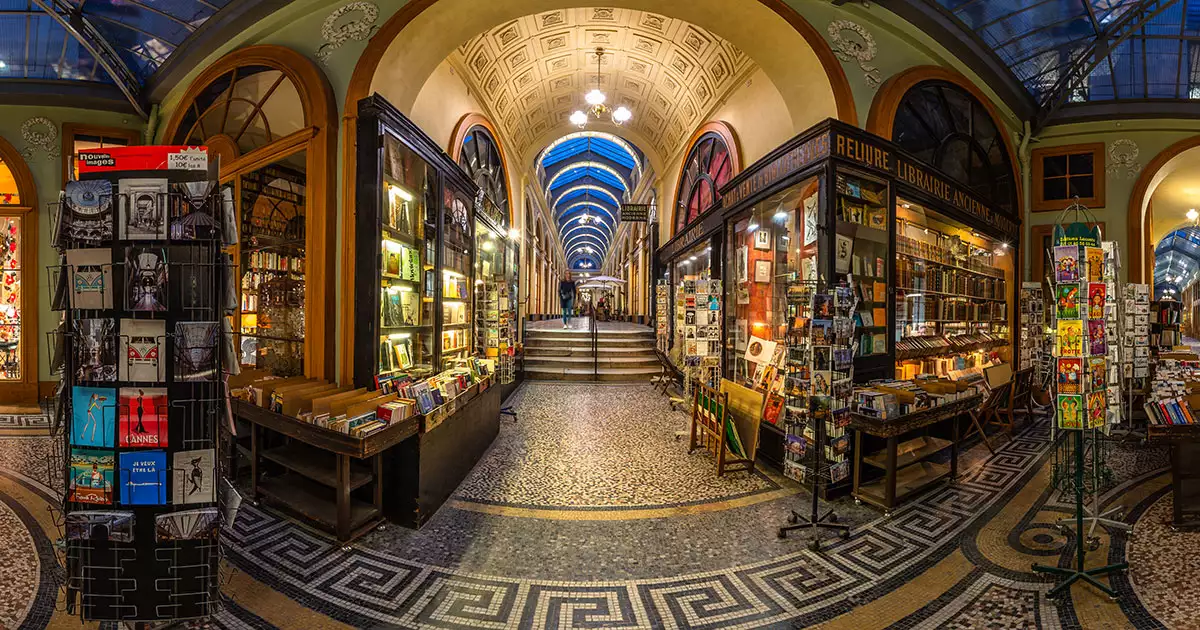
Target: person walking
(566, 298)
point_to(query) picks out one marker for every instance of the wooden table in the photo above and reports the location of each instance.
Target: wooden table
(318, 459)
(905, 464)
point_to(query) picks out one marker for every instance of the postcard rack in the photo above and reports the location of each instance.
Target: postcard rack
(145, 344)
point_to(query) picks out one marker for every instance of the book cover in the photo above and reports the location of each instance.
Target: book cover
(1070, 375)
(87, 214)
(1069, 338)
(93, 416)
(146, 278)
(192, 215)
(772, 409)
(143, 420)
(96, 349)
(143, 478)
(187, 525)
(1067, 301)
(91, 476)
(196, 351)
(1097, 405)
(1095, 263)
(844, 248)
(1097, 375)
(1096, 296)
(100, 525)
(142, 355)
(1097, 342)
(1066, 263)
(143, 203)
(193, 476)
(1069, 411)
(91, 278)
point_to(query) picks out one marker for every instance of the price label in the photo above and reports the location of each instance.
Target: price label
(188, 161)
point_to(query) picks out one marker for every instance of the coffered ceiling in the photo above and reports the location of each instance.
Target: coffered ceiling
(532, 72)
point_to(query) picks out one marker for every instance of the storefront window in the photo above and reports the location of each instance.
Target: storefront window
(952, 302)
(770, 244)
(707, 168)
(10, 298)
(9, 195)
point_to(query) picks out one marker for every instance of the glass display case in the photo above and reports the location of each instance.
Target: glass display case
(495, 291)
(768, 244)
(952, 294)
(414, 248)
(861, 258)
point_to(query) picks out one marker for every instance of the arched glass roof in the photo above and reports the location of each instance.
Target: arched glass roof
(1176, 261)
(119, 43)
(1091, 50)
(586, 176)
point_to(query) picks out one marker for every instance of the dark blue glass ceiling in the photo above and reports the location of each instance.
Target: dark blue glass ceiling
(1131, 49)
(586, 176)
(36, 43)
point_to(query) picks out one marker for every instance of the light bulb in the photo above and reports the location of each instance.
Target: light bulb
(1192, 214)
(578, 118)
(753, 226)
(595, 97)
(514, 233)
(622, 114)
(780, 215)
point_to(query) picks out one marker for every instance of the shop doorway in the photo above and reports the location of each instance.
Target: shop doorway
(18, 302)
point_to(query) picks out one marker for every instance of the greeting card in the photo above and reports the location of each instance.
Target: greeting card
(1070, 373)
(1069, 338)
(1068, 301)
(1069, 411)
(1095, 263)
(1097, 343)
(1066, 263)
(1096, 296)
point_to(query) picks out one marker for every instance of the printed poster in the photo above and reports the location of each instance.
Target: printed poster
(1069, 338)
(1069, 411)
(1066, 263)
(1068, 301)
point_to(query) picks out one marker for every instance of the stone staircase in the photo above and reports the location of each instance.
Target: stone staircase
(566, 355)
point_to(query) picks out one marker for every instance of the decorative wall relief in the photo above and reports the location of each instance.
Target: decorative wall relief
(861, 48)
(1122, 158)
(40, 133)
(356, 29)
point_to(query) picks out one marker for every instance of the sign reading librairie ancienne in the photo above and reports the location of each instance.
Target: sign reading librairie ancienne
(639, 212)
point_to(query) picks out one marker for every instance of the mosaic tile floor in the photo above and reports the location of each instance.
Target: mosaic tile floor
(531, 542)
(593, 453)
(19, 569)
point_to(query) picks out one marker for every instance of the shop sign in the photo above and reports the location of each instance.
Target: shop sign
(916, 174)
(637, 212)
(1077, 234)
(790, 162)
(684, 240)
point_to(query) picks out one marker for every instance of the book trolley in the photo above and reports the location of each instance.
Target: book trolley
(144, 286)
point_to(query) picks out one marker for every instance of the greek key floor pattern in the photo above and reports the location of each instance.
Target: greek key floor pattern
(366, 588)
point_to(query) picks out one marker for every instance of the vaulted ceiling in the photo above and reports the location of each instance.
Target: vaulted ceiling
(532, 72)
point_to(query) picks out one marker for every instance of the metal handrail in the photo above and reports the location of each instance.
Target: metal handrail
(595, 342)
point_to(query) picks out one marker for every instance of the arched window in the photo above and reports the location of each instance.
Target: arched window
(945, 126)
(268, 113)
(18, 302)
(479, 155)
(710, 163)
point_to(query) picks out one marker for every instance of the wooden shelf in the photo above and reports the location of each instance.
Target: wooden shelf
(396, 235)
(908, 481)
(315, 464)
(921, 353)
(909, 452)
(950, 266)
(956, 295)
(314, 502)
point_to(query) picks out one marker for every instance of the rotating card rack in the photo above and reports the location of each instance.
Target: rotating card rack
(143, 283)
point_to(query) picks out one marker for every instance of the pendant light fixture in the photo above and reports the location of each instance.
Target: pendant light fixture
(596, 100)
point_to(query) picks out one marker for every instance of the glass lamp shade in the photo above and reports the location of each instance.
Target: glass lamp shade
(578, 119)
(622, 114)
(595, 97)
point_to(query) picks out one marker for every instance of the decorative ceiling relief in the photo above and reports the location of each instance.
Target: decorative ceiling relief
(852, 42)
(39, 133)
(1123, 158)
(357, 28)
(670, 73)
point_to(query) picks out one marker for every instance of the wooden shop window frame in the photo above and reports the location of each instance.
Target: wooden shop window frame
(1095, 149)
(70, 130)
(24, 390)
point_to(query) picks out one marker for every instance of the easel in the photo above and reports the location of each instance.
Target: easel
(710, 422)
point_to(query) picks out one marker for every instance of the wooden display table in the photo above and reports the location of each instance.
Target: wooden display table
(319, 460)
(1184, 440)
(905, 465)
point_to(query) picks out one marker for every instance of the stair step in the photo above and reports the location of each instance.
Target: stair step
(604, 361)
(602, 349)
(582, 374)
(570, 343)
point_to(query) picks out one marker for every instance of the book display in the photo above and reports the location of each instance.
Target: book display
(1165, 318)
(696, 334)
(271, 259)
(1032, 328)
(861, 255)
(144, 497)
(495, 292)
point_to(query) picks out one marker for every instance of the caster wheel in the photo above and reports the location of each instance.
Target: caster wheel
(833, 518)
(857, 501)
(781, 534)
(792, 519)
(814, 546)
(346, 548)
(887, 514)
(845, 534)
(381, 527)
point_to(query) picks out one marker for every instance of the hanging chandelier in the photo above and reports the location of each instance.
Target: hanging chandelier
(596, 104)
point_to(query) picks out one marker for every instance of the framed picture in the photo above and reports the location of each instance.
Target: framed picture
(743, 264)
(762, 271)
(762, 239)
